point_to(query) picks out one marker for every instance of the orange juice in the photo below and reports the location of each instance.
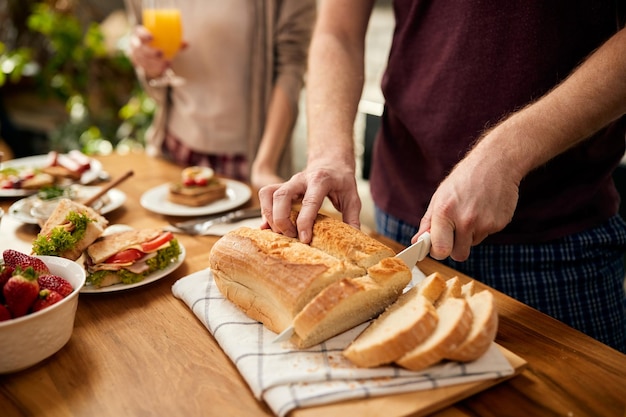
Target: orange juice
(166, 28)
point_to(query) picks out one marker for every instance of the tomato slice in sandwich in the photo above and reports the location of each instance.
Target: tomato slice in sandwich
(157, 242)
(125, 256)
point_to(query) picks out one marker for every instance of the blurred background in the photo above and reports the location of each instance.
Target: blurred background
(65, 82)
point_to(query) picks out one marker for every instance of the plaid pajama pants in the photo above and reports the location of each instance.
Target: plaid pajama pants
(231, 166)
(578, 279)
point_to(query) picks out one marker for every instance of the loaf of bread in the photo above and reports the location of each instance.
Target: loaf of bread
(465, 325)
(342, 279)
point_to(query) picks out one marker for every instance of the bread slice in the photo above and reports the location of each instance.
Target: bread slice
(453, 326)
(271, 277)
(468, 289)
(453, 290)
(432, 286)
(39, 180)
(483, 330)
(197, 195)
(339, 239)
(350, 302)
(401, 327)
(62, 172)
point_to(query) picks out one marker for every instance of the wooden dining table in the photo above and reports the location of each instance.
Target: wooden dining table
(142, 352)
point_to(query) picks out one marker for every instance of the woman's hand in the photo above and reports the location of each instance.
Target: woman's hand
(150, 60)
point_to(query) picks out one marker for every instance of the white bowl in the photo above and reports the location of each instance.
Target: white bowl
(27, 340)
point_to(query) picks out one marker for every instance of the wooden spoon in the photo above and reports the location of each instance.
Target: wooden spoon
(106, 189)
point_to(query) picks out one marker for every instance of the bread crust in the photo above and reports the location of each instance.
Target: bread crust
(432, 286)
(345, 242)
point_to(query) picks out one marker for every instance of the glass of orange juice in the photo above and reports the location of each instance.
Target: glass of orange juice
(163, 20)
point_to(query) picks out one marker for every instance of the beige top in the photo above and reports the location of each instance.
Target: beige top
(238, 50)
(211, 109)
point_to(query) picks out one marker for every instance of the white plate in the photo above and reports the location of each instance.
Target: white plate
(155, 200)
(21, 209)
(147, 280)
(39, 161)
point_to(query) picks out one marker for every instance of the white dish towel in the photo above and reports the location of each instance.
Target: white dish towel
(287, 378)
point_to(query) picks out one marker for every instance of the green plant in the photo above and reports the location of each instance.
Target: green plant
(69, 62)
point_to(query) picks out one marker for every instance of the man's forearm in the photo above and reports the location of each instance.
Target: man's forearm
(593, 96)
(335, 82)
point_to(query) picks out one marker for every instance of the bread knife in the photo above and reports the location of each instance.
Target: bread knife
(410, 256)
(417, 251)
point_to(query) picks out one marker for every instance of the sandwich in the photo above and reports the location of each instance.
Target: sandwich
(198, 186)
(129, 256)
(69, 230)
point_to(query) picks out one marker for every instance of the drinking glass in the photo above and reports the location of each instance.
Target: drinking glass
(163, 19)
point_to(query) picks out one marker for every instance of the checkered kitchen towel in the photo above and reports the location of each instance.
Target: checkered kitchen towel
(287, 378)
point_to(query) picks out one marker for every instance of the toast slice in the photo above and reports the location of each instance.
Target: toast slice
(196, 196)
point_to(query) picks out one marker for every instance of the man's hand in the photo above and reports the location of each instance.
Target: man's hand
(310, 187)
(477, 199)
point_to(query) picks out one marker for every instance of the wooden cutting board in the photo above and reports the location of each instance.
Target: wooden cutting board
(418, 403)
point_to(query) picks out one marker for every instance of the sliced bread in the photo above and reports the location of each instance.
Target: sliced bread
(483, 331)
(432, 286)
(452, 290)
(455, 321)
(401, 327)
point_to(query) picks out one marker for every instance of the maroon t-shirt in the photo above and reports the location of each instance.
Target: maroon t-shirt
(456, 67)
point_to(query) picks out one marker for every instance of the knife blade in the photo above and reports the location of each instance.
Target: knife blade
(417, 251)
(410, 256)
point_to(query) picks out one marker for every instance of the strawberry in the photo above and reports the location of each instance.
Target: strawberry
(46, 299)
(18, 259)
(55, 283)
(5, 314)
(5, 273)
(20, 292)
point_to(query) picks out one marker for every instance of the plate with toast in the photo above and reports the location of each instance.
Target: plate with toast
(159, 200)
(25, 176)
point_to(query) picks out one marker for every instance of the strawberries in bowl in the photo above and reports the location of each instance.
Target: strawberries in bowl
(39, 299)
